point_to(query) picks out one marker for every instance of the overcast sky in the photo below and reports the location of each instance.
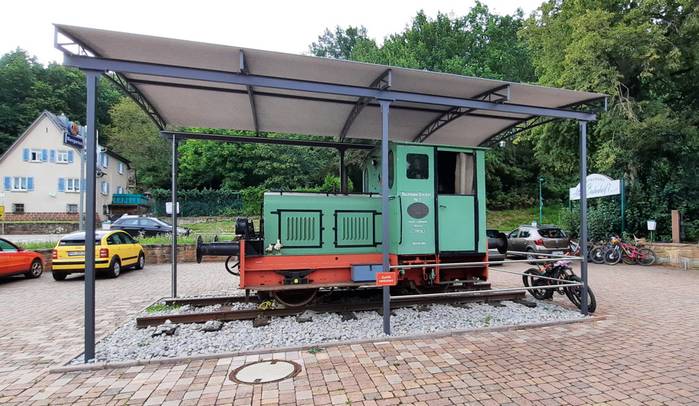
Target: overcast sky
(286, 26)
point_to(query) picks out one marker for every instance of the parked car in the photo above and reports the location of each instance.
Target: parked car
(497, 245)
(533, 239)
(114, 251)
(138, 226)
(15, 260)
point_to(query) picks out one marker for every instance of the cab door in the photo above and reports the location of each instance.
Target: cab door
(128, 249)
(412, 199)
(457, 213)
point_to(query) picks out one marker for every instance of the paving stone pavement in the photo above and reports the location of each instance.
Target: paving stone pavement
(646, 351)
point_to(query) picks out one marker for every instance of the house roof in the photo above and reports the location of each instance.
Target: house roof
(55, 120)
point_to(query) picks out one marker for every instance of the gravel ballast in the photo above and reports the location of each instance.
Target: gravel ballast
(129, 343)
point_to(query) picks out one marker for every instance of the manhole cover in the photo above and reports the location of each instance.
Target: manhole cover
(265, 371)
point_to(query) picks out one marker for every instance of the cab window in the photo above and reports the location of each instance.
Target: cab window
(417, 166)
(113, 239)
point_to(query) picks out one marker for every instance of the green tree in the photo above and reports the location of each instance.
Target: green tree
(644, 55)
(27, 88)
(133, 134)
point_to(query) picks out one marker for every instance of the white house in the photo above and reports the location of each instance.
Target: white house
(40, 171)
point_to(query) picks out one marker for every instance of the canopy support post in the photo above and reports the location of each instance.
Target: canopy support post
(583, 216)
(174, 218)
(92, 77)
(343, 171)
(385, 214)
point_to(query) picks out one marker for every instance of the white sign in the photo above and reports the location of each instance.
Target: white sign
(168, 207)
(597, 186)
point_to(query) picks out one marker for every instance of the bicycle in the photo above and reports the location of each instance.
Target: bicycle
(630, 254)
(558, 270)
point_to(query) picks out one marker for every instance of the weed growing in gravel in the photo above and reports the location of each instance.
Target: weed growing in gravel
(315, 350)
(161, 307)
(487, 320)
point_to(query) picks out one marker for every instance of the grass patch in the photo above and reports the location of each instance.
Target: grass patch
(219, 226)
(508, 220)
(161, 307)
(38, 245)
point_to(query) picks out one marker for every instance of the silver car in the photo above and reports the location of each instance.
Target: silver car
(544, 239)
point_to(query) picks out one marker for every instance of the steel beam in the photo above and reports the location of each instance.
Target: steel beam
(236, 139)
(583, 216)
(530, 122)
(209, 75)
(382, 82)
(130, 90)
(456, 112)
(251, 94)
(385, 214)
(422, 109)
(92, 77)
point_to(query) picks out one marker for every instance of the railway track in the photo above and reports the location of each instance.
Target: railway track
(370, 305)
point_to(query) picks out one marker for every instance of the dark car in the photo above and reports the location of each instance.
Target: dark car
(145, 226)
(533, 239)
(497, 245)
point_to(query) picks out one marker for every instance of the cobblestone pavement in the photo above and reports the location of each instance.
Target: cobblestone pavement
(645, 352)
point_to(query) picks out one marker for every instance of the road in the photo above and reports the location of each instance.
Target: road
(646, 351)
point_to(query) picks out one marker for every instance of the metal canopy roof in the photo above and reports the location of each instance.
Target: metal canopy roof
(192, 84)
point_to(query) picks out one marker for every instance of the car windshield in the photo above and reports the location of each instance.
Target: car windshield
(75, 242)
(160, 222)
(552, 233)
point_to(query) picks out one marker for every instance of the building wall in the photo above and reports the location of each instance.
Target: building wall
(47, 179)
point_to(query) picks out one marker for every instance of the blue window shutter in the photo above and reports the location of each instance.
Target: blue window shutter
(8, 183)
(52, 155)
(106, 160)
(44, 155)
(61, 185)
(25, 154)
(30, 183)
(70, 156)
(82, 184)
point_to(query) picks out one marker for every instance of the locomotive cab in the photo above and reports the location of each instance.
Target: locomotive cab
(437, 198)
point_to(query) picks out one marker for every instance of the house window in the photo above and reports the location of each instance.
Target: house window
(62, 157)
(104, 159)
(120, 190)
(72, 185)
(121, 168)
(18, 208)
(19, 184)
(104, 188)
(72, 208)
(35, 155)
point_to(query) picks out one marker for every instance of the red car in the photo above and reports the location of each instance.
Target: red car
(15, 260)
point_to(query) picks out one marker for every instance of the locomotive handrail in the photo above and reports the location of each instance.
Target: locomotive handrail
(473, 264)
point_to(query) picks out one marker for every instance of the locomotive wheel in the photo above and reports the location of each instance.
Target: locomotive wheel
(295, 298)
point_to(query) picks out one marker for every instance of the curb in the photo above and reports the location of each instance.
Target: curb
(378, 340)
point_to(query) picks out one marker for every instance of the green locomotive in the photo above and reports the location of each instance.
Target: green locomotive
(317, 240)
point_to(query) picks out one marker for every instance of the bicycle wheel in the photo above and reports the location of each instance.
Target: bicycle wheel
(596, 255)
(628, 260)
(612, 257)
(646, 256)
(574, 294)
(530, 280)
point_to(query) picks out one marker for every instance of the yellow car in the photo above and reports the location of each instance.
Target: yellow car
(114, 251)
